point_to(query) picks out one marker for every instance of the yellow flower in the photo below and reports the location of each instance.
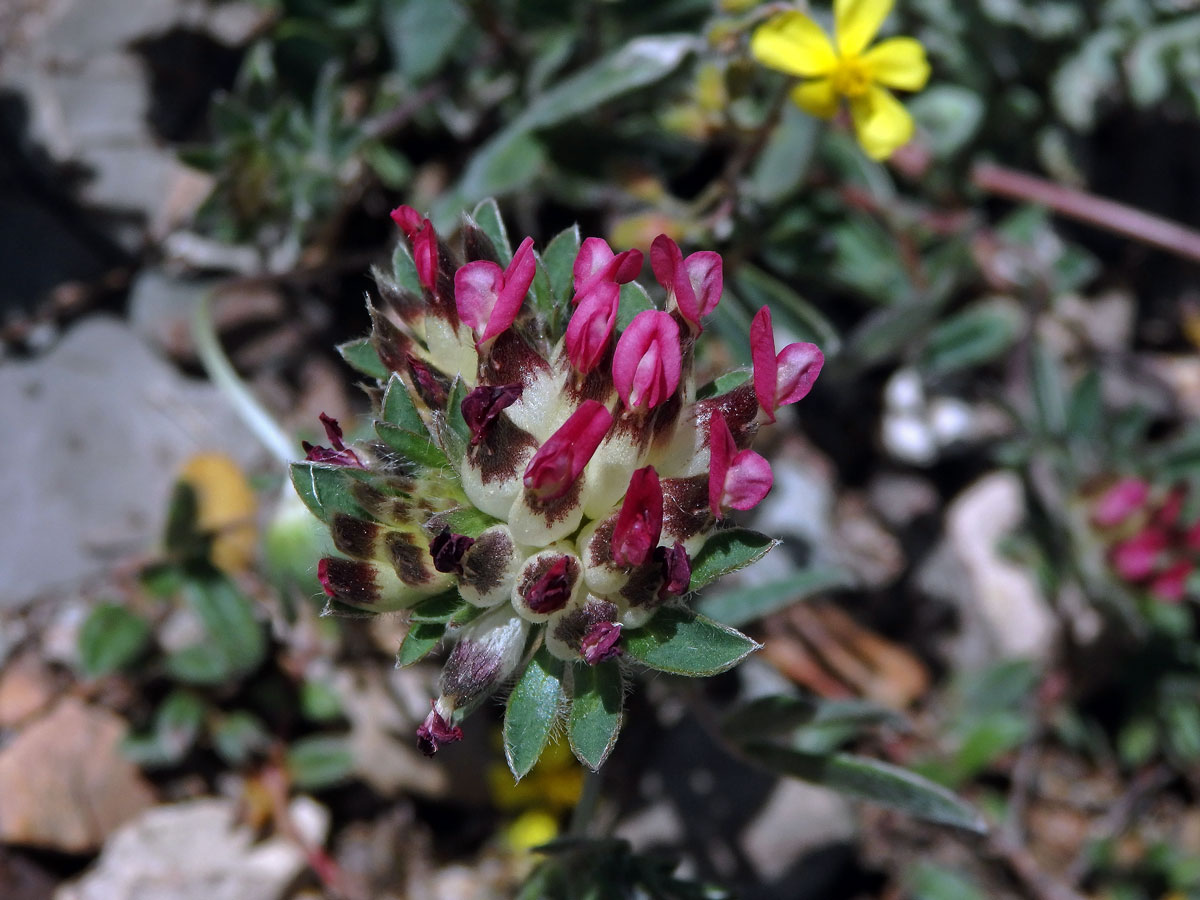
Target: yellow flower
(793, 43)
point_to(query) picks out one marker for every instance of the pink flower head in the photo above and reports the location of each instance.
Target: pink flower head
(435, 732)
(786, 378)
(1138, 557)
(561, 460)
(424, 241)
(488, 297)
(596, 264)
(1171, 585)
(695, 282)
(736, 479)
(639, 523)
(592, 325)
(339, 454)
(648, 361)
(1120, 502)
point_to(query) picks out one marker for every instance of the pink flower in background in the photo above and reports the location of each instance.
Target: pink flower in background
(1120, 502)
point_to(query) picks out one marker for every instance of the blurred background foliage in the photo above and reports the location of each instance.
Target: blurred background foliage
(970, 339)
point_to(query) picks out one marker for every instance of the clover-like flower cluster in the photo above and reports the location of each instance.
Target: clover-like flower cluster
(535, 481)
(1153, 544)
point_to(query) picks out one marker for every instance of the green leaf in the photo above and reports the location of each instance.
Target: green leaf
(559, 259)
(785, 160)
(182, 537)
(949, 116)
(360, 355)
(723, 384)
(415, 448)
(398, 408)
(543, 294)
(641, 62)
(741, 606)
(319, 762)
(238, 736)
(634, 300)
(404, 270)
(487, 217)
(780, 714)
(869, 779)
(390, 165)
(327, 490)
(454, 415)
(677, 640)
(503, 165)
(440, 608)
(422, 34)
(419, 642)
(928, 881)
(727, 551)
(977, 335)
(111, 638)
(1048, 391)
(177, 723)
(466, 520)
(595, 718)
(533, 708)
(228, 617)
(199, 664)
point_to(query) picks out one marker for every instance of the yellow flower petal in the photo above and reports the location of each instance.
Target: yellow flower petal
(898, 63)
(793, 43)
(857, 22)
(883, 125)
(817, 98)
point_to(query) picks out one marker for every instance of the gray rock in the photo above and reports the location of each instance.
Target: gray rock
(98, 428)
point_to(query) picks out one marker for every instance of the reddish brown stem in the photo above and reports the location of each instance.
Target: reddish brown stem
(1085, 207)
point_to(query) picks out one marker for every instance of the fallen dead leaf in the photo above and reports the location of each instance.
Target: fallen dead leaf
(26, 688)
(64, 783)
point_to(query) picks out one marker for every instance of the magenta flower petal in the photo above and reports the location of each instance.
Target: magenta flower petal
(477, 286)
(648, 361)
(766, 366)
(561, 460)
(517, 279)
(1120, 502)
(592, 325)
(799, 365)
(600, 643)
(596, 264)
(483, 404)
(1171, 585)
(695, 282)
(339, 455)
(423, 240)
(639, 523)
(408, 219)
(736, 479)
(435, 732)
(1137, 558)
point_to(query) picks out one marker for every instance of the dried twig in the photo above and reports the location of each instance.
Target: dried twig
(1084, 207)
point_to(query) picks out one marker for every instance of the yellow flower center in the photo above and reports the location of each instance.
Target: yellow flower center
(851, 77)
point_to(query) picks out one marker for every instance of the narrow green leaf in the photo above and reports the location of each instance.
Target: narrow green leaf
(1048, 391)
(872, 780)
(177, 723)
(977, 335)
(533, 707)
(677, 640)
(319, 762)
(423, 34)
(487, 217)
(327, 490)
(785, 160)
(559, 259)
(404, 270)
(440, 608)
(360, 355)
(727, 551)
(111, 638)
(594, 722)
(398, 408)
(723, 384)
(1085, 414)
(634, 300)
(419, 642)
(780, 714)
(415, 448)
(454, 416)
(543, 294)
(741, 606)
(199, 664)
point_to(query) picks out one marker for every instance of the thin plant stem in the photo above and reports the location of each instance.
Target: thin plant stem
(1084, 207)
(585, 809)
(220, 370)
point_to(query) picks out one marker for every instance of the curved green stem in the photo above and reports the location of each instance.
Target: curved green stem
(245, 404)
